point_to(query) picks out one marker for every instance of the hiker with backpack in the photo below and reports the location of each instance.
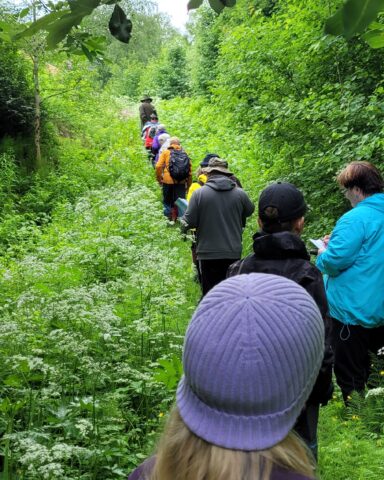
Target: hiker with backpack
(174, 174)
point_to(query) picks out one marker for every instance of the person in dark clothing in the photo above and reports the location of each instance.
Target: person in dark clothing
(210, 156)
(146, 109)
(218, 211)
(251, 355)
(279, 250)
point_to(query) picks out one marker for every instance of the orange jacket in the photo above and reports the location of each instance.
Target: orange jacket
(162, 168)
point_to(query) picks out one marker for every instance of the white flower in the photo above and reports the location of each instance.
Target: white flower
(375, 392)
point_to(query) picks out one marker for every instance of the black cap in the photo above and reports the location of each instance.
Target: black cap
(286, 198)
(205, 161)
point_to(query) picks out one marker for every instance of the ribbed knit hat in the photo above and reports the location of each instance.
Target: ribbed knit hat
(251, 356)
(286, 198)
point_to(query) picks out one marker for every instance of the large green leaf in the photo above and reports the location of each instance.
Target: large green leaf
(42, 23)
(83, 7)
(374, 38)
(334, 25)
(217, 5)
(353, 17)
(24, 12)
(119, 25)
(358, 14)
(60, 29)
(192, 4)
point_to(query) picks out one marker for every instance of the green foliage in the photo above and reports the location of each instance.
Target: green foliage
(171, 73)
(66, 15)
(203, 54)
(353, 17)
(16, 98)
(347, 452)
(89, 301)
(217, 5)
(169, 372)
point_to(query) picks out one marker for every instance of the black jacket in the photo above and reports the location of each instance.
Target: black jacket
(284, 254)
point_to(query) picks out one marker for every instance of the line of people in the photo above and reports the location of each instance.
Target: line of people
(353, 324)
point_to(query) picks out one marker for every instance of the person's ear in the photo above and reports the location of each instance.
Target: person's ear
(298, 225)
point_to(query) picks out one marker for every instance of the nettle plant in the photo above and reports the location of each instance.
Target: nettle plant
(85, 316)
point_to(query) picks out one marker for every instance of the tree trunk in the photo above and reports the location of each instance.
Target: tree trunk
(37, 112)
(36, 85)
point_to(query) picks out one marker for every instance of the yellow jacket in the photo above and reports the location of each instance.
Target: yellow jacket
(162, 168)
(196, 185)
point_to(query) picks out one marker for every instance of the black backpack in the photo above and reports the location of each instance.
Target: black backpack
(179, 165)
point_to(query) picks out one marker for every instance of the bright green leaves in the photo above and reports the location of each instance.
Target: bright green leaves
(119, 25)
(353, 17)
(169, 372)
(217, 5)
(375, 36)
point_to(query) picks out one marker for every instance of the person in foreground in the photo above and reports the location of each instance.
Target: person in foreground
(278, 249)
(251, 356)
(353, 262)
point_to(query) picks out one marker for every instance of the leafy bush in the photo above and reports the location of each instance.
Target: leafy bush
(16, 98)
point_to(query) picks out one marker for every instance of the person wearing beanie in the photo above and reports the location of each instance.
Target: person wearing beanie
(218, 211)
(251, 355)
(278, 249)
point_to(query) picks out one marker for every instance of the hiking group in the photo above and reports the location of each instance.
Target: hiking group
(270, 328)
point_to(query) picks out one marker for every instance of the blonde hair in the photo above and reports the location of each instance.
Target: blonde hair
(181, 455)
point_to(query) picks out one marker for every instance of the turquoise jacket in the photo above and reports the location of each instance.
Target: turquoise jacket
(354, 265)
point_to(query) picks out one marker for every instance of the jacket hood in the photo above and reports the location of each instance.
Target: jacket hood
(375, 201)
(279, 245)
(220, 183)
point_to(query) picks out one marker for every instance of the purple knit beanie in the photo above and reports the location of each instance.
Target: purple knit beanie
(251, 356)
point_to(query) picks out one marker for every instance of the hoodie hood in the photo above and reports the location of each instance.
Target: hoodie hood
(279, 245)
(375, 201)
(220, 183)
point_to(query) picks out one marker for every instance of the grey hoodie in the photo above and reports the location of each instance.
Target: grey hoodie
(218, 211)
